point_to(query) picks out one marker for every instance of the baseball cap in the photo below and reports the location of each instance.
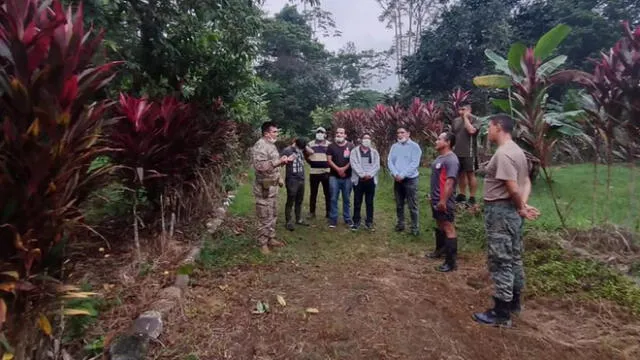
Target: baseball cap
(321, 129)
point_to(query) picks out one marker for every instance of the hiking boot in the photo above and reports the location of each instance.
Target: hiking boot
(290, 227)
(264, 249)
(276, 243)
(498, 316)
(515, 305)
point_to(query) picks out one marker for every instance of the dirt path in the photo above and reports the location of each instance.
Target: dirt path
(385, 308)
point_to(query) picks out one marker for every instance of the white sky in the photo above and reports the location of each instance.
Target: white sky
(358, 22)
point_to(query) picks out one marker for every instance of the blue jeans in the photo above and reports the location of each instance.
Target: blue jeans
(336, 187)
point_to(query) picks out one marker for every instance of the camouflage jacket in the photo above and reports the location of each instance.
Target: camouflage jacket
(265, 158)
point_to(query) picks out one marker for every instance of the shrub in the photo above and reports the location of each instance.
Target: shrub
(51, 131)
(355, 122)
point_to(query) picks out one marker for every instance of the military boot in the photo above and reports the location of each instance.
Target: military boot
(498, 316)
(515, 305)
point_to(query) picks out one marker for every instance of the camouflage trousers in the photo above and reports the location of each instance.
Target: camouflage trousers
(266, 211)
(504, 244)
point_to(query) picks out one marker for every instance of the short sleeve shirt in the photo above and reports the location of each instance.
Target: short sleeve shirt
(466, 144)
(508, 163)
(340, 155)
(444, 167)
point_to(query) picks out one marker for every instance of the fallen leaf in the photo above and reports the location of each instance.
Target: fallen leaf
(312, 310)
(261, 308)
(74, 312)
(223, 287)
(3, 312)
(108, 287)
(7, 356)
(45, 325)
(67, 288)
(79, 295)
(281, 300)
(13, 274)
(7, 287)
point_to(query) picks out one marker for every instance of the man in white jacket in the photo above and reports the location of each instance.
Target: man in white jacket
(365, 165)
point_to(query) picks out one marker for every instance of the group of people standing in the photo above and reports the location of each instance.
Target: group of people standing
(341, 167)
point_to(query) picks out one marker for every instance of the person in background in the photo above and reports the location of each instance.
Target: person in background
(338, 154)
(365, 165)
(506, 191)
(444, 174)
(266, 161)
(316, 152)
(294, 182)
(403, 162)
(466, 127)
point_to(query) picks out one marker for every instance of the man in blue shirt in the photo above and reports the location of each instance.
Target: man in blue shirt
(403, 163)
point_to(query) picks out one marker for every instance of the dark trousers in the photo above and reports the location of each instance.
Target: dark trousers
(406, 191)
(364, 190)
(316, 180)
(295, 195)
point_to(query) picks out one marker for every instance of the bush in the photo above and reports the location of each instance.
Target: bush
(51, 130)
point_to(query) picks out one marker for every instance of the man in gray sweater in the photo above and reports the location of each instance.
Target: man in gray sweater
(365, 165)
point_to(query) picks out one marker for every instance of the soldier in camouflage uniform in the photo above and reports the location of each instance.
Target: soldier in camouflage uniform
(506, 191)
(267, 162)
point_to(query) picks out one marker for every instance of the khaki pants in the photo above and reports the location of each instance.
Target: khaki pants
(266, 211)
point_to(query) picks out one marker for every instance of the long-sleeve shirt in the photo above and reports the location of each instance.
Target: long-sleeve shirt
(362, 165)
(404, 159)
(265, 158)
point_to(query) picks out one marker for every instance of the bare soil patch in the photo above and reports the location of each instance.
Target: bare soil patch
(385, 308)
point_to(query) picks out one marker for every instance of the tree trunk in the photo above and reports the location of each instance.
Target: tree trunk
(553, 196)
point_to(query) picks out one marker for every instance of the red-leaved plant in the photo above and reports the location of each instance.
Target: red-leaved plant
(51, 130)
(354, 121)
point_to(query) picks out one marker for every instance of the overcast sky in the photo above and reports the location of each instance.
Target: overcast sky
(358, 21)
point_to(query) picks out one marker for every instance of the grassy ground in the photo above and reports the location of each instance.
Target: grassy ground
(551, 271)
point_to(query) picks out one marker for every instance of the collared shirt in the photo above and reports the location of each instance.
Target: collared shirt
(404, 159)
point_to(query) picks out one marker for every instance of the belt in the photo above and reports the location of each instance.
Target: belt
(499, 202)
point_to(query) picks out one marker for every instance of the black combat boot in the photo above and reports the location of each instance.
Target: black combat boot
(440, 244)
(498, 316)
(451, 251)
(515, 305)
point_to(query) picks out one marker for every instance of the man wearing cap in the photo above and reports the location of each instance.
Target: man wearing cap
(316, 151)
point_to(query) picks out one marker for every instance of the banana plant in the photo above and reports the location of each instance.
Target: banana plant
(527, 74)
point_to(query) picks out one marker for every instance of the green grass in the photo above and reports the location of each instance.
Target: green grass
(550, 270)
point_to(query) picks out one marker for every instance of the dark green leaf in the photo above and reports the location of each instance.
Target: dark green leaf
(516, 52)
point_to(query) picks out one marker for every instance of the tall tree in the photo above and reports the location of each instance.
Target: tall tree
(296, 70)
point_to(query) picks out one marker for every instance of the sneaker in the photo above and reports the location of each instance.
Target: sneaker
(355, 227)
(369, 227)
(415, 232)
(461, 198)
(332, 226)
(302, 223)
(399, 228)
(290, 227)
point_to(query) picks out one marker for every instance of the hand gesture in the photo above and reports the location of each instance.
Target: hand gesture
(284, 159)
(398, 178)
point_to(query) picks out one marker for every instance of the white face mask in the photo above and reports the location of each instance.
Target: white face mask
(402, 140)
(319, 136)
(339, 139)
(366, 142)
(272, 140)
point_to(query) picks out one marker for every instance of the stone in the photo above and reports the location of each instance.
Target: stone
(170, 293)
(129, 347)
(149, 323)
(182, 281)
(164, 306)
